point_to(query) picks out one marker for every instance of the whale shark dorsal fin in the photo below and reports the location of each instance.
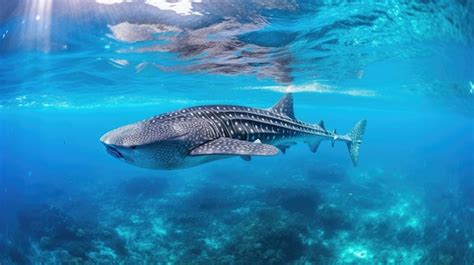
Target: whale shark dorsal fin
(229, 146)
(321, 124)
(285, 106)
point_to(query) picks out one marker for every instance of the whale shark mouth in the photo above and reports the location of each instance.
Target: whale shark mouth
(113, 151)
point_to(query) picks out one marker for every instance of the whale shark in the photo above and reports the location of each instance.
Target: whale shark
(193, 136)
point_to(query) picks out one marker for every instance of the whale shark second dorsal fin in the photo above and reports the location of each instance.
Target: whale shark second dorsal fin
(285, 106)
(321, 124)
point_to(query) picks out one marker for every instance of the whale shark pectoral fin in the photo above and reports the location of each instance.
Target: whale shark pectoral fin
(229, 146)
(285, 106)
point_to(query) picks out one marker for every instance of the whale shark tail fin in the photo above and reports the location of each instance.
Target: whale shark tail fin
(355, 136)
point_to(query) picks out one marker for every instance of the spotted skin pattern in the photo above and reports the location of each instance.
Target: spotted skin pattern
(228, 146)
(196, 135)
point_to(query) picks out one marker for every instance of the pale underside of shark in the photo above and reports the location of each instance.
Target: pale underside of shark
(196, 135)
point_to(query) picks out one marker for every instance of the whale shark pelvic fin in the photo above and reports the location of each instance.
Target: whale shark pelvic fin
(246, 158)
(313, 146)
(284, 146)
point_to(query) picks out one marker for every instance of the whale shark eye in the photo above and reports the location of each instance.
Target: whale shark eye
(133, 147)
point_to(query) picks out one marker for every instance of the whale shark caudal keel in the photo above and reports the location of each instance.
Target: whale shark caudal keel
(196, 135)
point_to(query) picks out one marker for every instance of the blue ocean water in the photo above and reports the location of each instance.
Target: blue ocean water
(72, 70)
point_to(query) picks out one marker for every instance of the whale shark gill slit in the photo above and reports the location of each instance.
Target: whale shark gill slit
(113, 151)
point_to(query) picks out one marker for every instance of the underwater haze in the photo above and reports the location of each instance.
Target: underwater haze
(70, 71)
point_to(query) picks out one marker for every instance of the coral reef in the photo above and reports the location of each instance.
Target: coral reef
(268, 236)
(352, 218)
(53, 230)
(303, 201)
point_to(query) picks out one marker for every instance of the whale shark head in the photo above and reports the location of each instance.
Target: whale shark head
(150, 143)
